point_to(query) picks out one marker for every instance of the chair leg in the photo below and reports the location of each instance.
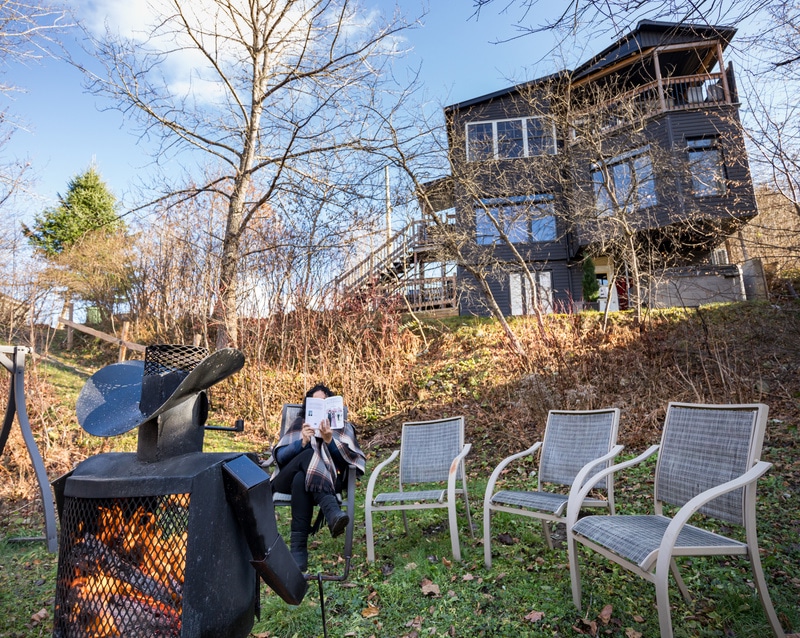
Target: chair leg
(469, 515)
(454, 542)
(673, 567)
(370, 541)
(662, 602)
(763, 592)
(487, 537)
(546, 530)
(574, 569)
(405, 521)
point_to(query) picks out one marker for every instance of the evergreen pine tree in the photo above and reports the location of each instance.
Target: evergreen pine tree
(88, 206)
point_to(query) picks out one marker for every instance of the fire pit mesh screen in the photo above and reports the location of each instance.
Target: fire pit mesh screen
(121, 567)
(169, 357)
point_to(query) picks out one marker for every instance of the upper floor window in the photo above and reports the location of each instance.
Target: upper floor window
(624, 182)
(508, 139)
(706, 167)
(523, 219)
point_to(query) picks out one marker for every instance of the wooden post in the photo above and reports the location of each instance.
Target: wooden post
(123, 338)
(70, 332)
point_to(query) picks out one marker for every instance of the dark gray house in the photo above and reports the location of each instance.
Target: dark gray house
(636, 158)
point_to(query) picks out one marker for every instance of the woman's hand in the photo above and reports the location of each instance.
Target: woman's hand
(325, 431)
(307, 432)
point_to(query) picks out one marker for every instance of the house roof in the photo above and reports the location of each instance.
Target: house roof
(648, 34)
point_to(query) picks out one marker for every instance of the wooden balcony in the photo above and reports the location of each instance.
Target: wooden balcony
(663, 95)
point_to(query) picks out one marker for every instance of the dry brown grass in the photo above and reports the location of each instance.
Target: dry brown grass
(390, 373)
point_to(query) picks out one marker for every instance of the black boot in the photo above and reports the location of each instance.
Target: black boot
(336, 518)
(299, 549)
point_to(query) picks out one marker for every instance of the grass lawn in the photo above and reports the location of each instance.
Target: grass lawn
(415, 589)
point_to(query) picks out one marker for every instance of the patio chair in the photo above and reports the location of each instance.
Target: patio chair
(708, 462)
(346, 497)
(575, 442)
(431, 452)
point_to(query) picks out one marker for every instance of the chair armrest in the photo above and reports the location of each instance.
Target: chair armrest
(691, 507)
(374, 476)
(453, 473)
(503, 464)
(578, 494)
(580, 477)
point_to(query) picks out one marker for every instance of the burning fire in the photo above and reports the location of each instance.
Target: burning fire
(128, 572)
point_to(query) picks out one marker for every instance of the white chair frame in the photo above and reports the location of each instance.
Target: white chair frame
(404, 501)
(565, 432)
(677, 536)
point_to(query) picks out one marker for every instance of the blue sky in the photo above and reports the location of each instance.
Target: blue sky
(65, 128)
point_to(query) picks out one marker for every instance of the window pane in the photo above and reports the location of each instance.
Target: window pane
(515, 224)
(645, 182)
(486, 231)
(708, 173)
(509, 139)
(480, 143)
(540, 137)
(602, 197)
(543, 222)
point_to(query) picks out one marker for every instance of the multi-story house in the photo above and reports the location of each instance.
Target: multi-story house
(635, 158)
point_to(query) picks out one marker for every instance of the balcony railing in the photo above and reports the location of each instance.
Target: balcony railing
(389, 260)
(677, 93)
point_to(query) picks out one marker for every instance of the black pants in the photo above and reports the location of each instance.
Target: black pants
(292, 480)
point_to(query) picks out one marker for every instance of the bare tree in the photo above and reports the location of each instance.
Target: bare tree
(278, 100)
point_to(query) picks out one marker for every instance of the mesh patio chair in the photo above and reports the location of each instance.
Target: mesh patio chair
(430, 452)
(346, 497)
(708, 462)
(575, 443)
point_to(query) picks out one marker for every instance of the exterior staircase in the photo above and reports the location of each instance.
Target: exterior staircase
(398, 268)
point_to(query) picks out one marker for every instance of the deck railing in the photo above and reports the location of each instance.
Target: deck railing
(384, 261)
(677, 93)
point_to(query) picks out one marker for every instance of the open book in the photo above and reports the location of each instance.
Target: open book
(331, 408)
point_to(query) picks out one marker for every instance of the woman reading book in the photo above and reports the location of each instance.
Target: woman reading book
(311, 463)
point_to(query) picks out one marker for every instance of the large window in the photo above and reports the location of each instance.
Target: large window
(523, 219)
(626, 182)
(508, 139)
(706, 167)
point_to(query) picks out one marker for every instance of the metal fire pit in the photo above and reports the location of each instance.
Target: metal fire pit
(151, 549)
(169, 541)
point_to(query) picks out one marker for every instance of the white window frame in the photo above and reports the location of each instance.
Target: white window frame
(526, 142)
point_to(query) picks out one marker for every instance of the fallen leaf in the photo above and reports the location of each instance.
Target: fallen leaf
(468, 577)
(411, 567)
(630, 632)
(416, 623)
(605, 614)
(39, 616)
(446, 563)
(638, 618)
(535, 616)
(370, 611)
(505, 539)
(430, 588)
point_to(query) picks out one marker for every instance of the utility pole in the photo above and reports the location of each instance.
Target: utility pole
(388, 206)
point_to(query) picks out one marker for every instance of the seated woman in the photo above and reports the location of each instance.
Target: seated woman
(310, 469)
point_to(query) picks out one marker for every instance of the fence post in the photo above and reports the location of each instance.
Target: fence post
(71, 308)
(123, 338)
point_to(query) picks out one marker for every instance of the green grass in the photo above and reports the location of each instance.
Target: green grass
(526, 593)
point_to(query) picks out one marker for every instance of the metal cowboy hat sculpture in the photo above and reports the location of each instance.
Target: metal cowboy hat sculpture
(164, 396)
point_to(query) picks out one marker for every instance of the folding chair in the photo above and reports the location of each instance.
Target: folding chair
(346, 497)
(431, 452)
(575, 442)
(708, 462)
